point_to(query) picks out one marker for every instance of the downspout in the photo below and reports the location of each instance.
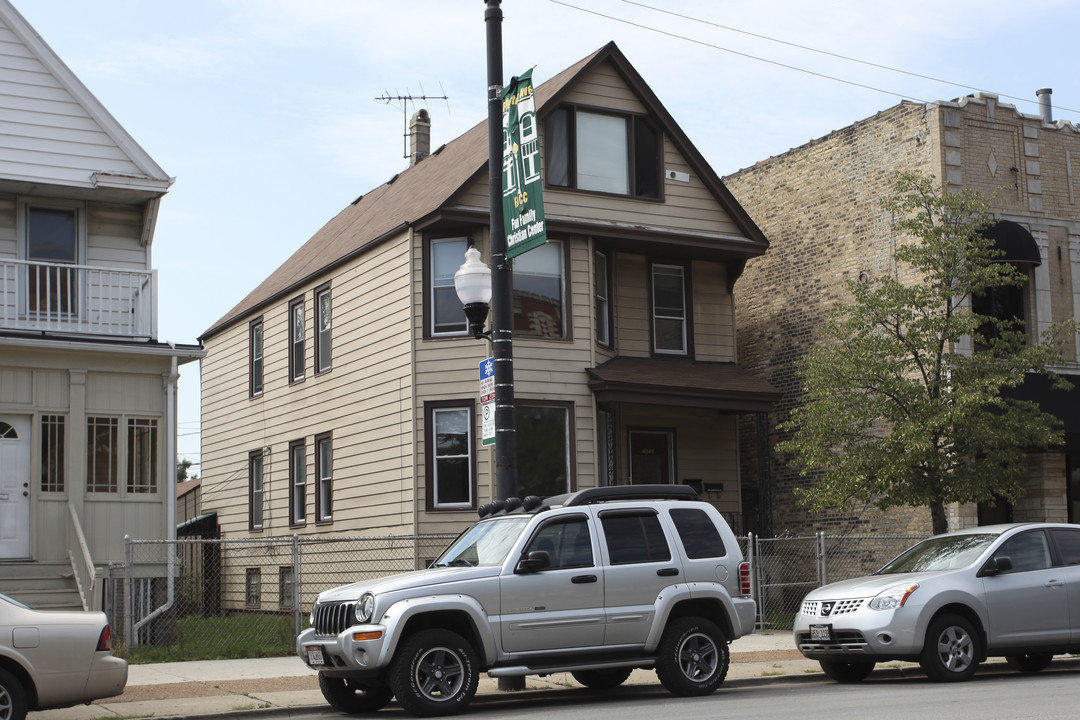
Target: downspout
(169, 488)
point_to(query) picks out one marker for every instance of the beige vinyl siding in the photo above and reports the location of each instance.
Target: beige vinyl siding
(364, 401)
(714, 333)
(49, 136)
(631, 304)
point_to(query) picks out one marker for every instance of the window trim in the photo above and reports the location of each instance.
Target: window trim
(112, 484)
(567, 305)
(294, 520)
(632, 120)
(688, 305)
(132, 425)
(296, 374)
(322, 517)
(252, 457)
(323, 365)
(430, 489)
(256, 389)
(429, 296)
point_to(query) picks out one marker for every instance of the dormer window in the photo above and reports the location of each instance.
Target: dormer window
(602, 152)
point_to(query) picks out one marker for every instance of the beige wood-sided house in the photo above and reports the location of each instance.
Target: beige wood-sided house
(87, 391)
(341, 396)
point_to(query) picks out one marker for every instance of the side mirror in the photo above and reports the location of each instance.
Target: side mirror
(535, 560)
(996, 566)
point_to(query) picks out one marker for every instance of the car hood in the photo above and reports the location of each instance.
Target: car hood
(404, 581)
(871, 585)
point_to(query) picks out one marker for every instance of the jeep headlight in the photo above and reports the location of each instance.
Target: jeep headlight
(364, 608)
(893, 598)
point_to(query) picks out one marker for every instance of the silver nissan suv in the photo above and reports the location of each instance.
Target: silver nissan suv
(595, 583)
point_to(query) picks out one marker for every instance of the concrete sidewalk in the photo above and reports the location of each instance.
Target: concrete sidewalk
(216, 687)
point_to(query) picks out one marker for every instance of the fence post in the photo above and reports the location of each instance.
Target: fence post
(755, 577)
(129, 638)
(823, 576)
(296, 584)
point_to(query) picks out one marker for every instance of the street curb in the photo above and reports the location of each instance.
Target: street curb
(885, 673)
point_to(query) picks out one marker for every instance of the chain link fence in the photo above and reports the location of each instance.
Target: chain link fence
(786, 568)
(208, 599)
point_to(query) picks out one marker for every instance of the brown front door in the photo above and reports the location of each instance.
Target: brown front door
(652, 456)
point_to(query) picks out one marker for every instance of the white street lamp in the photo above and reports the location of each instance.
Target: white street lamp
(472, 281)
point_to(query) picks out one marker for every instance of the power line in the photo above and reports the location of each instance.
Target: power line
(964, 86)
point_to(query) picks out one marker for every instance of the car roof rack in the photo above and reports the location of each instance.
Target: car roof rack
(589, 496)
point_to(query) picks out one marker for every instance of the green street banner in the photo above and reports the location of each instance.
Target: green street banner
(522, 188)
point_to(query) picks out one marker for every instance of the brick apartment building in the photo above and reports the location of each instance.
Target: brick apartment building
(819, 206)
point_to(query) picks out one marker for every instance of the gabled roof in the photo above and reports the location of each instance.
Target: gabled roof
(56, 131)
(419, 193)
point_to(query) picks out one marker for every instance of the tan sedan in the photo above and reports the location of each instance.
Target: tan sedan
(54, 659)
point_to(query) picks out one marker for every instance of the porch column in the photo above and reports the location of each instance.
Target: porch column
(75, 449)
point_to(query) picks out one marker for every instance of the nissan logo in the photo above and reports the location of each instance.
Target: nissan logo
(826, 608)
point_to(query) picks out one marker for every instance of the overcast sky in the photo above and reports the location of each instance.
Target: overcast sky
(268, 114)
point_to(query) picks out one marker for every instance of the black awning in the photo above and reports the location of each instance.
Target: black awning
(1015, 241)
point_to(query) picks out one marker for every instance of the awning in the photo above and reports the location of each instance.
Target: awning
(681, 383)
(1015, 241)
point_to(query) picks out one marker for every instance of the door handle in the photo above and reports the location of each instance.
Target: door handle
(582, 579)
(667, 572)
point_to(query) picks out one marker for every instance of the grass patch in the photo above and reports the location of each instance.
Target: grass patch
(223, 638)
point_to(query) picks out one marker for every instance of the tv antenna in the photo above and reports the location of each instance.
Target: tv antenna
(405, 99)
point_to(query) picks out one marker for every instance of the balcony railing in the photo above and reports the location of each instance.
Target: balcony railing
(77, 299)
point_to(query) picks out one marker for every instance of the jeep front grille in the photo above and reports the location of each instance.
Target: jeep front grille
(333, 619)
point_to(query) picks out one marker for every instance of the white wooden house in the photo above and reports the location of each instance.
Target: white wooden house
(87, 391)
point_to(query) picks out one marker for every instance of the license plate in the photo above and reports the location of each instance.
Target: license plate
(821, 633)
(315, 656)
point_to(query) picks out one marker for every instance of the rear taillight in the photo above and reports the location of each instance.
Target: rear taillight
(744, 578)
(104, 642)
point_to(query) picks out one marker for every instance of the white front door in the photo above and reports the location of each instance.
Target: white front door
(14, 487)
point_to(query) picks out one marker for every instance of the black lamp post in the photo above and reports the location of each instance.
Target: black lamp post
(472, 277)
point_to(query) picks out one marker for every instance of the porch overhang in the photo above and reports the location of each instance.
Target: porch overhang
(681, 383)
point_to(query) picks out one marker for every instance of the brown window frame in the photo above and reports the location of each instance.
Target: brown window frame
(296, 364)
(255, 389)
(322, 516)
(430, 409)
(293, 520)
(252, 457)
(323, 359)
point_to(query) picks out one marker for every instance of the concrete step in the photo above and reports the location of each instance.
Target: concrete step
(42, 586)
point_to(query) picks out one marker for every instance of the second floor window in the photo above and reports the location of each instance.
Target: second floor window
(669, 314)
(52, 241)
(323, 348)
(539, 292)
(255, 358)
(603, 152)
(446, 311)
(296, 340)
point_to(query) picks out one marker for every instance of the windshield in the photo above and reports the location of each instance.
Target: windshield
(949, 552)
(485, 543)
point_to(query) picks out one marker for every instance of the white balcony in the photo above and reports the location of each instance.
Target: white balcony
(77, 299)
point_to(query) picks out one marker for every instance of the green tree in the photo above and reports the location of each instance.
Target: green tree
(182, 466)
(894, 414)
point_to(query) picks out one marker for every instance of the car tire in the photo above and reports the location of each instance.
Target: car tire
(434, 672)
(952, 649)
(846, 672)
(692, 658)
(352, 697)
(606, 679)
(12, 697)
(1032, 663)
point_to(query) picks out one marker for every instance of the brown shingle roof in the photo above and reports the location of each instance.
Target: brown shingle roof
(681, 382)
(431, 184)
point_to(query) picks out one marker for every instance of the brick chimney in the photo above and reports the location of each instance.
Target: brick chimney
(419, 136)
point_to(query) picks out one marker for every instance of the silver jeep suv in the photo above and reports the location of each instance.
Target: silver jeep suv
(595, 583)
